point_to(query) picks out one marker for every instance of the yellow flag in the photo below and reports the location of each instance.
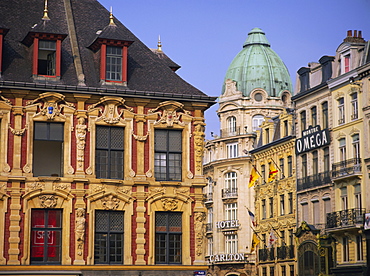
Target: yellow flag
(253, 177)
(272, 172)
(255, 241)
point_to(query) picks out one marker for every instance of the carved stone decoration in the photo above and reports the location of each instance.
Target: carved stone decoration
(48, 201)
(62, 186)
(98, 188)
(89, 171)
(199, 231)
(199, 147)
(110, 113)
(50, 105)
(169, 204)
(169, 113)
(157, 190)
(34, 186)
(124, 190)
(149, 173)
(80, 230)
(110, 202)
(230, 88)
(5, 100)
(81, 130)
(140, 138)
(17, 132)
(6, 168)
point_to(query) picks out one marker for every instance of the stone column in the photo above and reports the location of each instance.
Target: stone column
(140, 225)
(14, 228)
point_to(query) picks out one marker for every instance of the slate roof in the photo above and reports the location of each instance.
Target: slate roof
(146, 71)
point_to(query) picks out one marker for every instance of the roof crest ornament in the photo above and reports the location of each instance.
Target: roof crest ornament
(111, 21)
(159, 44)
(46, 16)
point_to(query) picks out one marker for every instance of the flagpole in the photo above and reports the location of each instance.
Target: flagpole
(264, 180)
(278, 167)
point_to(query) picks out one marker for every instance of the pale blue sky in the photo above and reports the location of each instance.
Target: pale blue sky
(203, 36)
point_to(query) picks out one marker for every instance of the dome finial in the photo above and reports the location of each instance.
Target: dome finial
(159, 44)
(111, 21)
(46, 16)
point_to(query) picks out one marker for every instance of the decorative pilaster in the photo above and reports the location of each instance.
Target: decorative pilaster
(14, 228)
(140, 225)
(17, 153)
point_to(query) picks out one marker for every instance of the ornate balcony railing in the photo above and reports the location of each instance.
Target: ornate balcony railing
(231, 132)
(312, 181)
(285, 252)
(229, 193)
(266, 254)
(345, 218)
(346, 168)
(208, 197)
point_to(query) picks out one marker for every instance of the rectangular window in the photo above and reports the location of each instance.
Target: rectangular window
(303, 120)
(109, 152)
(346, 63)
(263, 208)
(359, 248)
(316, 212)
(345, 249)
(315, 163)
(342, 150)
(326, 160)
(282, 205)
(46, 58)
(286, 128)
(281, 161)
(354, 104)
(341, 111)
(344, 198)
(356, 148)
(108, 246)
(291, 269)
(46, 223)
(290, 201)
(290, 165)
(267, 131)
(232, 150)
(210, 245)
(325, 115)
(231, 244)
(327, 205)
(314, 116)
(272, 271)
(291, 237)
(48, 149)
(305, 211)
(304, 165)
(263, 172)
(271, 204)
(231, 211)
(114, 63)
(264, 271)
(282, 237)
(358, 198)
(283, 270)
(168, 155)
(168, 237)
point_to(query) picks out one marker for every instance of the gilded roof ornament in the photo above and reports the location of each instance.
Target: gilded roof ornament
(46, 16)
(111, 21)
(159, 44)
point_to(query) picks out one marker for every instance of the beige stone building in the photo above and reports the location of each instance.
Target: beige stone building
(257, 85)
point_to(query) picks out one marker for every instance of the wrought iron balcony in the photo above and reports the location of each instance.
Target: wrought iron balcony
(285, 252)
(209, 227)
(208, 197)
(232, 132)
(266, 254)
(345, 218)
(229, 193)
(346, 168)
(312, 181)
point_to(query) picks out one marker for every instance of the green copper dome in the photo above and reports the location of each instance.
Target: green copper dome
(258, 66)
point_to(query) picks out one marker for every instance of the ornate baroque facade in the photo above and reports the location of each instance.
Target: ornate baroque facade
(101, 155)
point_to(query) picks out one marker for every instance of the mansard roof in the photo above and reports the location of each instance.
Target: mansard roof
(88, 19)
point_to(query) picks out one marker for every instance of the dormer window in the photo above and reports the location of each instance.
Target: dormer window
(46, 60)
(114, 64)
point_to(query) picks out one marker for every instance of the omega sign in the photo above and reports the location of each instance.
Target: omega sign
(312, 138)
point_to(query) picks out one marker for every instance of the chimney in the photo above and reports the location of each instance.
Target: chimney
(360, 34)
(355, 33)
(349, 33)
(356, 38)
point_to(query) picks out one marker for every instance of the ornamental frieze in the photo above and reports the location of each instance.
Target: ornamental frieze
(110, 202)
(50, 105)
(169, 204)
(34, 186)
(110, 113)
(169, 113)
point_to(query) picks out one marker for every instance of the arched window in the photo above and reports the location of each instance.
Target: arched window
(256, 122)
(231, 125)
